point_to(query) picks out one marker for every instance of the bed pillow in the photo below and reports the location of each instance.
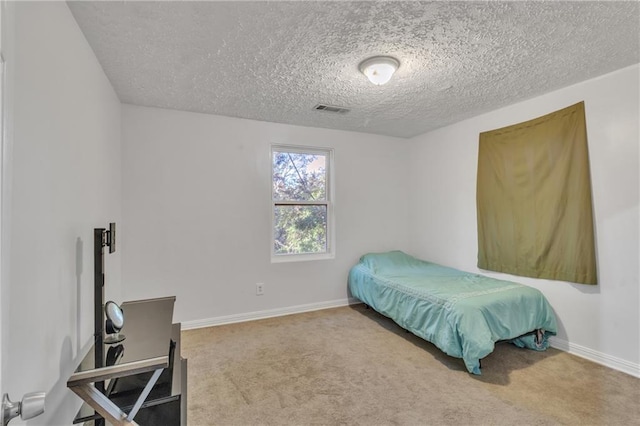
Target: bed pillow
(389, 261)
(394, 263)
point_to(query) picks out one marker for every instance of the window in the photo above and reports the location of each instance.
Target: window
(302, 209)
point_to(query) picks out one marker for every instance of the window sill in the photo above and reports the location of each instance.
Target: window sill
(286, 258)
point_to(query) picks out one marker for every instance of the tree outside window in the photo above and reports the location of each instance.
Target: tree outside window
(301, 199)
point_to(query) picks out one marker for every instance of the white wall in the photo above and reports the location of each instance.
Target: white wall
(601, 322)
(195, 219)
(196, 211)
(65, 181)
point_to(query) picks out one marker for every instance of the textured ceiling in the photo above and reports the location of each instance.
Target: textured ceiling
(274, 61)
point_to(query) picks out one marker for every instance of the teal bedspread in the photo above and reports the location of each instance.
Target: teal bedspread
(463, 314)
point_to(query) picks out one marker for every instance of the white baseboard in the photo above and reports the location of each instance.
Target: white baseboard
(581, 351)
(597, 357)
(270, 313)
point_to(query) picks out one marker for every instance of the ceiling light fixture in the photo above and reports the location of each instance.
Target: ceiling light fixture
(379, 69)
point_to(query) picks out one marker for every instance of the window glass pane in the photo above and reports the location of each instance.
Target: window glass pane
(299, 177)
(300, 229)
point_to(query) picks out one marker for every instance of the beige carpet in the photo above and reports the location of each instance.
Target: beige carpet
(351, 366)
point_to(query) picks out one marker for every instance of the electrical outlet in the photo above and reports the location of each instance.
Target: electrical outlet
(259, 289)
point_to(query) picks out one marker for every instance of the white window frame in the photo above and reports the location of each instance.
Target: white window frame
(330, 203)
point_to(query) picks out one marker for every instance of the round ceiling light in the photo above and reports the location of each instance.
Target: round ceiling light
(379, 69)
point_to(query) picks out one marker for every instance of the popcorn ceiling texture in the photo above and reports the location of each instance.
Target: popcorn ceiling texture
(274, 61)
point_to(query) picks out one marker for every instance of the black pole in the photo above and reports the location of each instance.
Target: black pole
(98, 302)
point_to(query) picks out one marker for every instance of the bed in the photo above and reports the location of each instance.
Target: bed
(463, 314)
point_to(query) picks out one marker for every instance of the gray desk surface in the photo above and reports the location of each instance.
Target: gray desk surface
(147, 328)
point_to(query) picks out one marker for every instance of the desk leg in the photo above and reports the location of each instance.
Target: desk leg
(107, 409)
(145, 392)
(103, 405)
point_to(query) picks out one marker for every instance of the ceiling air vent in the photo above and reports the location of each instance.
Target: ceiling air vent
(331, 108)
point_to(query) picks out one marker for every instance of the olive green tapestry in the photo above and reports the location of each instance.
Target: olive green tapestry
(533, 197)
